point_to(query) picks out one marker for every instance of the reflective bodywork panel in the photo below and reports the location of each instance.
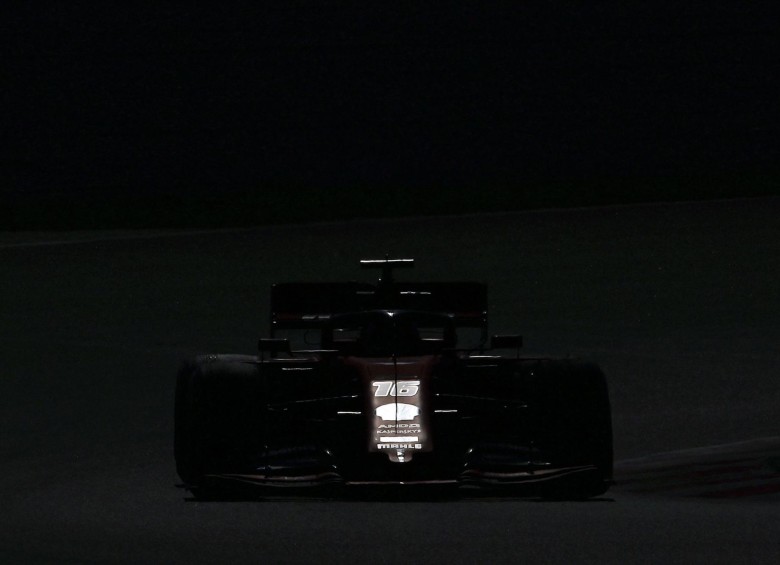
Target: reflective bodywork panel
(486, 421)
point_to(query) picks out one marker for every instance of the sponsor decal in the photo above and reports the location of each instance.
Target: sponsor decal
(397, 411)
(399, 446)
(399, 424)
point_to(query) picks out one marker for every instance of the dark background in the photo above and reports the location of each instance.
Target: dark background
(138, 115)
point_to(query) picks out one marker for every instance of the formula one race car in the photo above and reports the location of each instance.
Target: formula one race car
(383, 390)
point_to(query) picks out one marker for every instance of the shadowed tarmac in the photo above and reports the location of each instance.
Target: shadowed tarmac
(677, 302)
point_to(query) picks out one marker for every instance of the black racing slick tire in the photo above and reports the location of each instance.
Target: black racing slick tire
(216, 420)
(190, 443)
(578, 423)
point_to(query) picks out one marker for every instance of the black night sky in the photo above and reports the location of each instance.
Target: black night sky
(324, 106)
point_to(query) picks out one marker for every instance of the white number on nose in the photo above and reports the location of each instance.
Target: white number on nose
(390, 388)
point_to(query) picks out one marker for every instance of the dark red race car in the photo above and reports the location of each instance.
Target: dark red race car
(377, 384)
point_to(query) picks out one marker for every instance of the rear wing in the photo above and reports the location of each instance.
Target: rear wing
(310, 305)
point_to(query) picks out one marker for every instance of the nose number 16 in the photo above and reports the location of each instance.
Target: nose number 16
(391, 388)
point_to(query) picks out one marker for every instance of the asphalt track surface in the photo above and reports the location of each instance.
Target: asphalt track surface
(679, 303)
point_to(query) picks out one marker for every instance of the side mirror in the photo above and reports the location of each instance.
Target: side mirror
(273, 345)
(506, 342)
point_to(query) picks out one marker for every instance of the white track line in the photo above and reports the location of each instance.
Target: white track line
(733, 470)
(771, 200)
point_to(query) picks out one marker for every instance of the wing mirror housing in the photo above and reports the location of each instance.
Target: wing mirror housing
(507, 342)
(273, 346)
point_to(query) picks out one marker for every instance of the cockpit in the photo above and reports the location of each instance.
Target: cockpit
(381, 333)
